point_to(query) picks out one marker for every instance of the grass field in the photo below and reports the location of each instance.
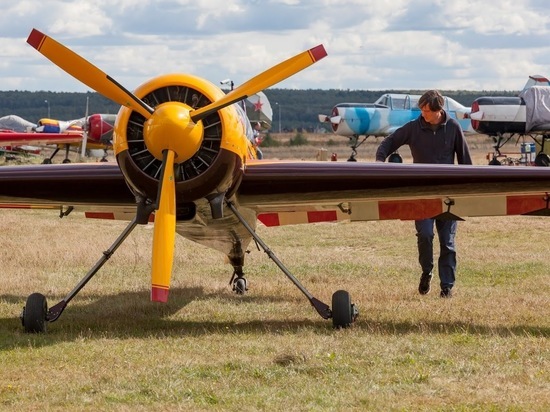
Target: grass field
(486, 349)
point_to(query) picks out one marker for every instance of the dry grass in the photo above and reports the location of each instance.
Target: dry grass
(479, 145)
(487, 348)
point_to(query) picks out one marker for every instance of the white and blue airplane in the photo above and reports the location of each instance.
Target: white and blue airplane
(358, 121)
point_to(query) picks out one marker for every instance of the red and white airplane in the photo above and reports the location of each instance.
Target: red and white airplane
(94, 132)
(187, 164)
(526, 115)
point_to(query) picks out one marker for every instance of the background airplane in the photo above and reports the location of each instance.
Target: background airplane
(92, 133)
(527, 115)
(381, 118)
(187, 165)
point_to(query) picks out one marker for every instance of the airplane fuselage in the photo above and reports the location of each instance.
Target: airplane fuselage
(500, 115)
(388, 113)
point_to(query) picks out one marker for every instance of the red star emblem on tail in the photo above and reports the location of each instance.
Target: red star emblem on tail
(258, 106)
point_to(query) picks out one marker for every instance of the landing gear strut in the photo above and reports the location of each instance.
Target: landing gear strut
(36, 315)
(343, 312)
(354, 144)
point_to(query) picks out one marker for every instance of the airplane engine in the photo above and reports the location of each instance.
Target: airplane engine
(100, 127)
(207, 160)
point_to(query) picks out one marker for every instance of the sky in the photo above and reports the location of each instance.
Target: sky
(371, 44)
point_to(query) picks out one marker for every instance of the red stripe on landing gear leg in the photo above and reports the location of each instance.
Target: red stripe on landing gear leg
(269, 219)
(409, 209)
(159, 294)
(323, 216)
(518, 205)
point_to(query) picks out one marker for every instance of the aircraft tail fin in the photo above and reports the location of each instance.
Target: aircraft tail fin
(536, 80)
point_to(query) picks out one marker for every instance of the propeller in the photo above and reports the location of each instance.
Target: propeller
(171, 131)
(86, 72)
(263, 80)
(164, 234)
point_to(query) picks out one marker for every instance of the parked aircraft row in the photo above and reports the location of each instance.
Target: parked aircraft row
(91, 133)
(185, 162)
(502, 118)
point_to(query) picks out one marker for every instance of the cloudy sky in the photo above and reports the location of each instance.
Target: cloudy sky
(371, 44)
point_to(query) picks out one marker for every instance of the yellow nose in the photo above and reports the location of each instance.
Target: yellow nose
(170, 127)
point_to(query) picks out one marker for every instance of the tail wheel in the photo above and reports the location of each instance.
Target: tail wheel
(203, 158)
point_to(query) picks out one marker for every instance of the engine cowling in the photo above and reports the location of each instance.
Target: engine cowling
(100, 128)
(212, 151)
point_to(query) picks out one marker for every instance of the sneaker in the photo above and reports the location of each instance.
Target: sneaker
(424, 285)
(446, 293)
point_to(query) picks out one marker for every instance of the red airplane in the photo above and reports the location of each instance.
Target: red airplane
(91, 132)
(185, 162)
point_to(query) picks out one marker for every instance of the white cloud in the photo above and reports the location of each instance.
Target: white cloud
(423, 44)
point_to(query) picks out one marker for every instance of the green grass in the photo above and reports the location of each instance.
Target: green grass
(487, 349)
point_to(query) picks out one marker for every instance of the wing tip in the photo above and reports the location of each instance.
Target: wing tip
(36, 38)
(318, 52)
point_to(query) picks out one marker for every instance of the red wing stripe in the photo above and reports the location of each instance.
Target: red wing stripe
(269, 219)
(409, 209)
(518, 205)
(322, 216)
(100, 215)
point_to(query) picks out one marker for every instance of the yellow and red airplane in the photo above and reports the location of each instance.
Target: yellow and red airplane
(185, 162)
(92, 132)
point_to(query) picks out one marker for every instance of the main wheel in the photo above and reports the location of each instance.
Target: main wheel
(34, 313)
(343, 311)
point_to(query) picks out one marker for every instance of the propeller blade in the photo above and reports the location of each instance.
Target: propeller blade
(86, 72)
(476, 115)
(164, 235)
(262, 81)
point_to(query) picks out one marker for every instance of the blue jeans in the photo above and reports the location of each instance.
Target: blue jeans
(446, 231)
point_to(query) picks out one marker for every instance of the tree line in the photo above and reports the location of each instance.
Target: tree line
(292, 109)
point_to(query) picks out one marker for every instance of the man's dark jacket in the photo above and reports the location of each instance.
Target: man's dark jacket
(427, 145)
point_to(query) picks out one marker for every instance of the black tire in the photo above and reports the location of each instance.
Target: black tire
(342, 311)
(66, 160)
(34, 313)
(47, 161)
(542, 159)
(495, 162)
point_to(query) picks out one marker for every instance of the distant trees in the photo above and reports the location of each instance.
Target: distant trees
(299, 109)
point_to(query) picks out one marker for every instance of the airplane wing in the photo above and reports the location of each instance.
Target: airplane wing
(291, 192)
(17, 138)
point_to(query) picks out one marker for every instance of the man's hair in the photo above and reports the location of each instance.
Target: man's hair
(432, 99)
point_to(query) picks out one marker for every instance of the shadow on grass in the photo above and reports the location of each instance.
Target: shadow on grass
(132, 315)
